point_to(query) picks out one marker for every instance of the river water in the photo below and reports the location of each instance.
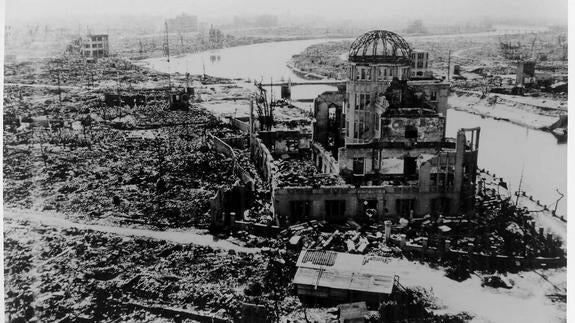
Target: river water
(505, 149)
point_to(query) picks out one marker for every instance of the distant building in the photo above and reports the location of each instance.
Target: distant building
(91, 46)
(95, 46)
(525, 73)
(420, 65)
(9, 34)
(183, 23)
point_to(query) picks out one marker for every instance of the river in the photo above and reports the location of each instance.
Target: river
(506, 149)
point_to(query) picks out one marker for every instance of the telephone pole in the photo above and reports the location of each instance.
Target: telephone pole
(449, 66)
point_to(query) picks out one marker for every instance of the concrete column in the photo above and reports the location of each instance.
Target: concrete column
(387, 230)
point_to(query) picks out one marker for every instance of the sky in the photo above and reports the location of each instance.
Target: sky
(551, 10)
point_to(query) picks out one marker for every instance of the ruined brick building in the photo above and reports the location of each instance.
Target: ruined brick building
(91, 46)
(384, 137)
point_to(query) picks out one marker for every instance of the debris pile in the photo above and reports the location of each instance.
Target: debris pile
(302, 172)
(108, 277)
(78, 156)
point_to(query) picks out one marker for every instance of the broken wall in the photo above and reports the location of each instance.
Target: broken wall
(241, 124)
(281, 142)
(288, 202)
(424, 129)
(238, 198)
(435, 92)
(262, 158)
(324, 160)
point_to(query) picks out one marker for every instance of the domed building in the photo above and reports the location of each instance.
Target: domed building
(388, 133)
(381, 142)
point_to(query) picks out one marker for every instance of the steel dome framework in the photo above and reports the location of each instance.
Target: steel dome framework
(380, 46)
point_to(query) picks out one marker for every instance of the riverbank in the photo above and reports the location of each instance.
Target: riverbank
(328, 60)
(523, 112)
(321, 60)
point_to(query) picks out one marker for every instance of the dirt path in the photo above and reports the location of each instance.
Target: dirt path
(189, 236)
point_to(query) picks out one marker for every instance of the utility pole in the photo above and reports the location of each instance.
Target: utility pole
(168, 53)
(59, 89)
(119, 96)
(520, 183)
(449, 66)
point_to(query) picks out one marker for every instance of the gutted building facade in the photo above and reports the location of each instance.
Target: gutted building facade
(91, 46)
(385, 137)
(420, 65)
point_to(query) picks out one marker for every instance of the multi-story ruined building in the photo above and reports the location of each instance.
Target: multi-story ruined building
(384, 136)
(183, 23)
(91, 46)
(420, 65)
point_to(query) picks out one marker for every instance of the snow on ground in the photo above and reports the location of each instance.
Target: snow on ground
(517, 113)
(526, 302)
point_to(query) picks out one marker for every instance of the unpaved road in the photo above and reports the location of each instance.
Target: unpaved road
(189, 236)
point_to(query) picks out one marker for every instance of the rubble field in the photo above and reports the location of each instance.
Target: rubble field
(100, 275)
(104, 277)
(142, 164)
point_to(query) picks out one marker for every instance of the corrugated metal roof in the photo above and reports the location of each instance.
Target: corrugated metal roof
(343, 271)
